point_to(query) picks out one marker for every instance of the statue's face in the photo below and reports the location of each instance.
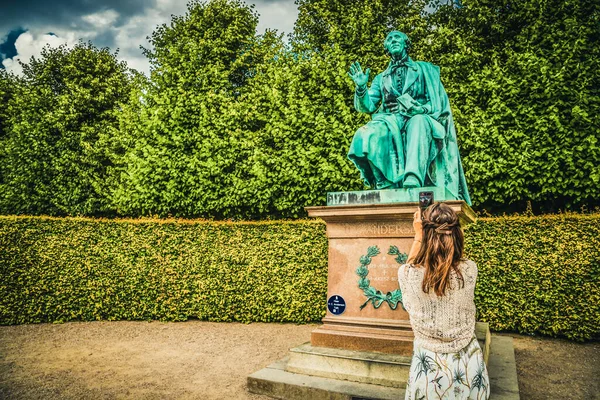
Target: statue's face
(395, 43)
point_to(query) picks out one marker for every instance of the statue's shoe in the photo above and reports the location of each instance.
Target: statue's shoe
(383, 185)
(411, 181)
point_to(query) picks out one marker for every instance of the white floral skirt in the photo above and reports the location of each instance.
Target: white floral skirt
(461, 375)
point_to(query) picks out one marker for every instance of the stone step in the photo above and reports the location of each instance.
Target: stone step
(277, 383)
(357, 366)
(502, 368)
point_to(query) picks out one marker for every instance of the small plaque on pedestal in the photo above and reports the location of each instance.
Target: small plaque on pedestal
(336, 305)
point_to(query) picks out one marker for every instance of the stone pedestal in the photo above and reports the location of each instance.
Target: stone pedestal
(363, 349)
(352, 230)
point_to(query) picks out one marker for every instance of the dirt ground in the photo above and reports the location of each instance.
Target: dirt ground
(203, 360)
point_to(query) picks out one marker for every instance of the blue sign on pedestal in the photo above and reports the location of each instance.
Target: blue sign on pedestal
(336, 305)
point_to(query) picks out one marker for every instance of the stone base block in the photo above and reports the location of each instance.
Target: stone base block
(356, 366)
(373, 335)
(394, 337)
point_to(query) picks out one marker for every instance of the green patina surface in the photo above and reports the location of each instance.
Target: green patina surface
(403, 195)
(410, 141)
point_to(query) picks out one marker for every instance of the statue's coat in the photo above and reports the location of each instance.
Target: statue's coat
(382, 144)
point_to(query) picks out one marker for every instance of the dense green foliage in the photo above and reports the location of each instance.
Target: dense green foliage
(195, 134)
(56, 131)
(235, 124)
(8, 84)
(524, 81)
(356, 28)
(82, 269)
(537, 275)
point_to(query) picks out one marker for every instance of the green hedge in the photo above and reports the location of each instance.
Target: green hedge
(537, 275)
(56, 270)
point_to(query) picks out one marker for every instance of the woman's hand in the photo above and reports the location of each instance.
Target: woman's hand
(418, 225)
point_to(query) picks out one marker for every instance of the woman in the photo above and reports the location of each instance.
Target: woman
(437, 288)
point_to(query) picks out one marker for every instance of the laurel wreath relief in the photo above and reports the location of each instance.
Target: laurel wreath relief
(374, 296)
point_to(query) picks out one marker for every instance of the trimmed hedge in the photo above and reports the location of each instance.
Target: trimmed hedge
(537, 275)
(56, 270)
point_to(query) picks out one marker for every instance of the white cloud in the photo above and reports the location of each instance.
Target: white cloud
(277, 15)
(30, 44)
(100, 27)
(101, 19)
(132, 35)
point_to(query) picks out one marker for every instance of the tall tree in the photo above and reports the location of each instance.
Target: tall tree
(524, 78)
(357, 27)
(8, 85)
(184, 129)
(61, 114)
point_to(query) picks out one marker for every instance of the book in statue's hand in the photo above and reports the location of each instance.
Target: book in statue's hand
(406, 102)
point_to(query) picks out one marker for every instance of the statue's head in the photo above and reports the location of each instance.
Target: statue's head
(396, 44)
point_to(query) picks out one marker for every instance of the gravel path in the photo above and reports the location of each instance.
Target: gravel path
(204, 360)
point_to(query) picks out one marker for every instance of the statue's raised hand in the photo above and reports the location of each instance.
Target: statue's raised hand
(359, 77)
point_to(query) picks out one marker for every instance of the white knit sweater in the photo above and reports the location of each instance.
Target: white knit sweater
(443, 324)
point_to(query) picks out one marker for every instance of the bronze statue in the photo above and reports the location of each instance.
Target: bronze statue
(411, 139)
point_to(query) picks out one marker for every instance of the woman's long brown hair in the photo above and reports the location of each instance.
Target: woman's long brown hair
(441, 248)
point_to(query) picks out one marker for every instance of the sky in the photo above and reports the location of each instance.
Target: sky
(26, 26)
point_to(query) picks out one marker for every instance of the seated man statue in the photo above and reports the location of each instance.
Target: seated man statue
(411, 140)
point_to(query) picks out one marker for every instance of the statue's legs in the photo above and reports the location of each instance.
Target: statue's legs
(370, 151)
(381, 181)
(418, 142)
